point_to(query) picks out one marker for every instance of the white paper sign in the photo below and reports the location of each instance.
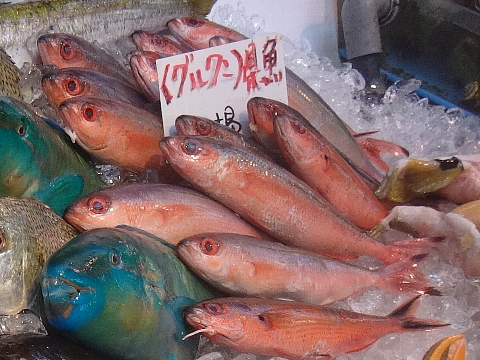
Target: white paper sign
(217, 82)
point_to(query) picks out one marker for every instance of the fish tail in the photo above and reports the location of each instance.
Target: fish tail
(406, 277)
(403, 249)
(405, 314)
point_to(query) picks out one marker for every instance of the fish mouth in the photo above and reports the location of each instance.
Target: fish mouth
(63, 298)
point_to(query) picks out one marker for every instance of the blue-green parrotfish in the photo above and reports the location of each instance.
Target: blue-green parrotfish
(38, 160)
(121, 291)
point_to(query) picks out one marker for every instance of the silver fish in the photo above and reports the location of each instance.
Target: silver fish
(30, 232)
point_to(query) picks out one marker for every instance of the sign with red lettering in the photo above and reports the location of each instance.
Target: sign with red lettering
(217, 82)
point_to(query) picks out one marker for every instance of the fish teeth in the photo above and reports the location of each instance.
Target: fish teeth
(71, 134)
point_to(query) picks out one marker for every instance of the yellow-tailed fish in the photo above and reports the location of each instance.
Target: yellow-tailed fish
(408, 179)
(450, 348)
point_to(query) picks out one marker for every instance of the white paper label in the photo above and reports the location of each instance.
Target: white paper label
(217, 82)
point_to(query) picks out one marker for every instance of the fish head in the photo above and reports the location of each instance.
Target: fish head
(206, 255)
(21, 134)
(197, 32)
(62, 84)
(85, 116)
(188, 153)
(194, 125)
(158, 43)
(295, 136)
(17, 274)
(100, 279)
(63, 50)
(261, 112)
(191, 31)
(219, 320)
(24, 249)
(144, 68)
(92, 211)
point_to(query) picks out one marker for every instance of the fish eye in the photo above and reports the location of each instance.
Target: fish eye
(300, 128)
(203, 127)
(89, 112)
(190, 147)
(160, 41)
(209, 247)
(274, 110)
(73, 86)
(67, 50)
(114, 258)
(213, 308)
(194, 22)
(21, 130)
(153, 63)
(3, 242)
(98, 205)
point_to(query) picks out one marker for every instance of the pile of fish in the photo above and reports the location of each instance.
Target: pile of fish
(249, 242)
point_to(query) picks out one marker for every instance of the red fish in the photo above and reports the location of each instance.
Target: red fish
(62, 84)
(262, 111)
(200, 34)
(69, 51)
(115, 132)
(271, 198)
(294, 330)
(196, 33)
(160, 44)
(314, 160)
(167, 211)
(248, 266)
(144, 68)
(200, 126)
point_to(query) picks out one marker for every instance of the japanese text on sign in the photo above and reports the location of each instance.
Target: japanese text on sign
(222, 77)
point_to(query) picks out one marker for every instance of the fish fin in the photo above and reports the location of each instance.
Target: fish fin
(361, 134)
(375, 148)
(423, 243)
(405, 277)
(145, 233)
(404, 313)
(61, 192)
(175, 308)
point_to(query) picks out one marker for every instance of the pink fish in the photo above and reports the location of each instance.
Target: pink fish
(160, 44)
(314, 160)
(271, 198)
(115, 132)
(167, 211)
(294, 330)
(248, 266)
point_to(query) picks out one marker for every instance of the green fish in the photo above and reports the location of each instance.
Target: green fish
(121, 291)
(30, 233)
(39, 161)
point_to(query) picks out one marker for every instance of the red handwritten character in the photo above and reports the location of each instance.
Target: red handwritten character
(163, 87)
(269, 53)
(219, 62)
(184, 69)
(247, 68)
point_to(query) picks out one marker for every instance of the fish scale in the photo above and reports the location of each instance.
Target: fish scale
(32, 233)
(9, 76)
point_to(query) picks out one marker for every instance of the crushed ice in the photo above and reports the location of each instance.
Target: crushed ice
(424, 129)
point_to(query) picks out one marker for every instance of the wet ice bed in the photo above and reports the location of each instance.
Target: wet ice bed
(426, 131)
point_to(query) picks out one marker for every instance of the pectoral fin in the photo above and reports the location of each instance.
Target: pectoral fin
(61, 192)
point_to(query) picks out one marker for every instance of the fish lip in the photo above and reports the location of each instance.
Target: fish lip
(167, 145)
(68, 216)
(180, 125)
